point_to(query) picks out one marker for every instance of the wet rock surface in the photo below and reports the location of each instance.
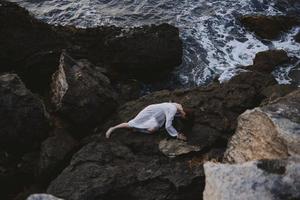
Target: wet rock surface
(267, 179)
(266, 61)
(269, 132)
(269, 27)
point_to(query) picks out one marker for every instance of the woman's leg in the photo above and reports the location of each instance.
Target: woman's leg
(111, 129)
(152, 130)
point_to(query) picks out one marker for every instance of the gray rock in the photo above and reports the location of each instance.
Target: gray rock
(112, 170)
(173, 148)
(54, 154)
(23, 118)
(269, 132)
(264, 179)
(82, 94)
(269, 27)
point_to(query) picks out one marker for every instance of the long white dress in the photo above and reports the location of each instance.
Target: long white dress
(155, 116)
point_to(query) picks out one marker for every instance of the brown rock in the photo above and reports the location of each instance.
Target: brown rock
(269, 132)
(266, 61)
(269, 27)
(81, 94)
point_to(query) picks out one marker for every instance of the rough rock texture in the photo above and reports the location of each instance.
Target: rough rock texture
(16, 171)
(173, 148)
(32, 48)
(81, 94)
(110, 170)
(145, 51)
(266, 61)
(269, 132)
(54, 154)
(269, 27)
(265, 179)
(23, 119)
(273, 92)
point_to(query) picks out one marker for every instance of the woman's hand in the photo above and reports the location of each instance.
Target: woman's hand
(181, 136)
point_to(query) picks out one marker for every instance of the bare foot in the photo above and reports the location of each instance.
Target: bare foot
(181, 136)
(108, 132)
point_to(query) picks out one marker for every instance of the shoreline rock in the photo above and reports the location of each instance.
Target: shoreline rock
(81, 94)
(24, 120)
(269, 132)
(267, 179)
(269, 27)
(266, 61)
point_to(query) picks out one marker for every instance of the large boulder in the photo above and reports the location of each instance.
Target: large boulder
(54, 154)
(269, 27)
(23, 125)
(81, 94)
(264, 179)
(146, 52)
(266, 61)
(111, 170)
(268, 132)
(24, 122)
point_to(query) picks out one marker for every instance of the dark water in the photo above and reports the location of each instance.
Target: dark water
(214, 42)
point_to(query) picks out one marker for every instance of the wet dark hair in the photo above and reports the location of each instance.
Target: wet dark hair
(190, 113)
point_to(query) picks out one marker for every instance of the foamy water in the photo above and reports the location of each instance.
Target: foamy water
(215, 44)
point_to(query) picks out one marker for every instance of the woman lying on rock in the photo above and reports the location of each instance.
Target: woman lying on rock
(154, 116)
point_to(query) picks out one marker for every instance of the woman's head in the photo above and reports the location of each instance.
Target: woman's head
(188, 113)
(185, 112)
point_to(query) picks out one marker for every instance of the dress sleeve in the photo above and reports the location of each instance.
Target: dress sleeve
(169, 119)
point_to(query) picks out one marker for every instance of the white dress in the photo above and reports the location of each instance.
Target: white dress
(155, 116)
